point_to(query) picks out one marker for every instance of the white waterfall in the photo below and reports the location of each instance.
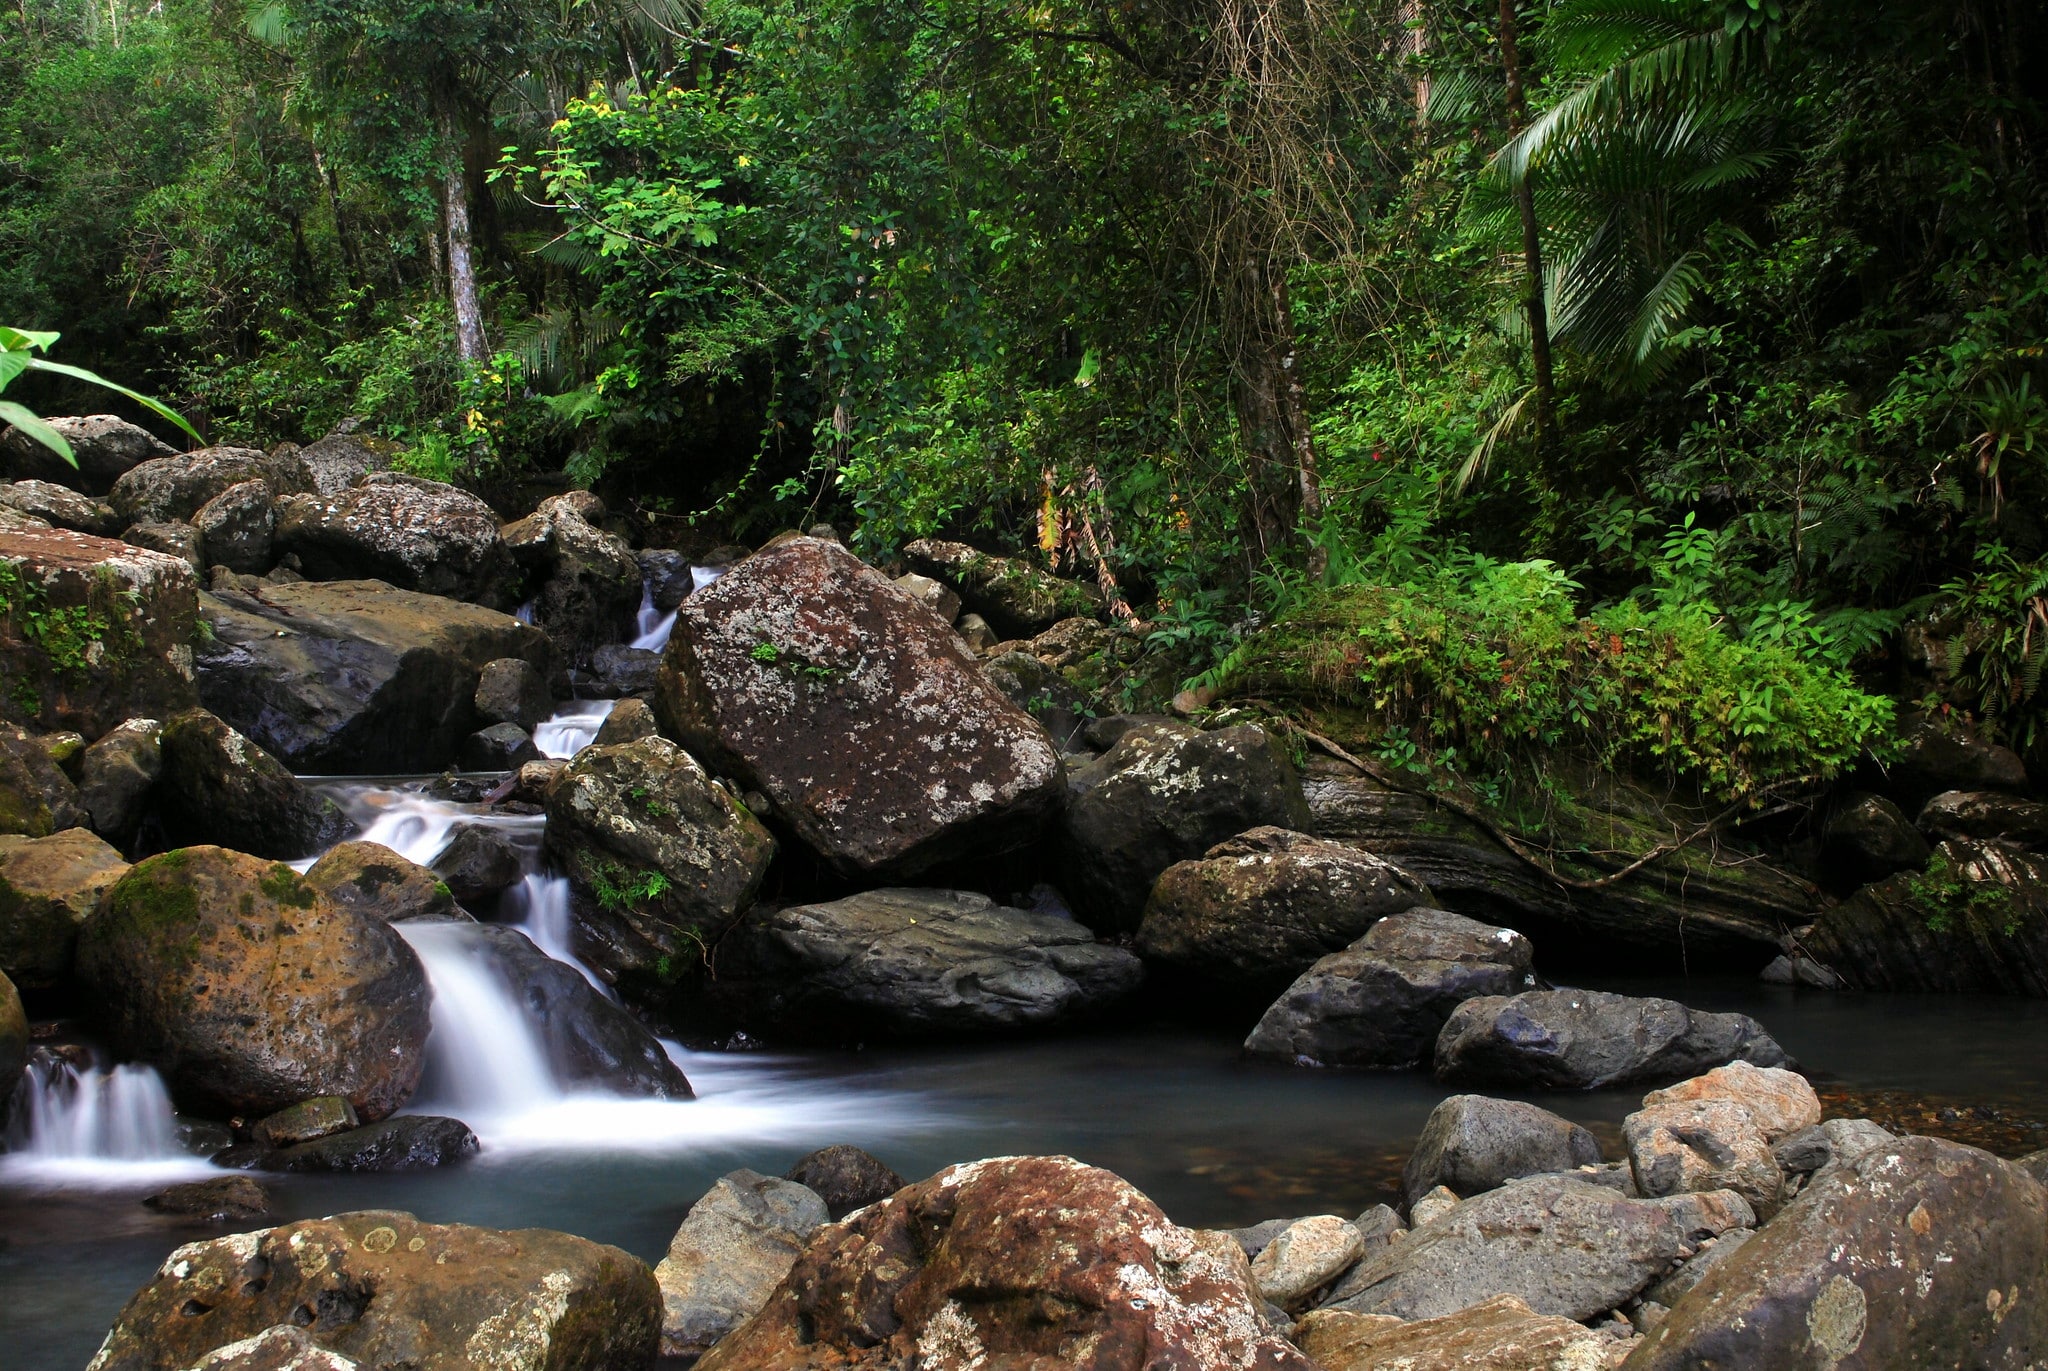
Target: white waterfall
(92, 1124)
(483, 1052)
(571, 728)
(651, 627)
(542, 902)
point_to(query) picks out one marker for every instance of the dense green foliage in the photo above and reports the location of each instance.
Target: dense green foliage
(1226, 295)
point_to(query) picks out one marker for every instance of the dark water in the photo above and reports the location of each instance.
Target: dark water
(1216, 1140)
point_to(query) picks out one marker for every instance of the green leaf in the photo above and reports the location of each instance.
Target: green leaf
(22, 339)
(24, 418)
(81, 374)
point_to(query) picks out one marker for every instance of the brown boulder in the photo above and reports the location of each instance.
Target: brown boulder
(1500, 1334)
(1014, 1262)
(13, 1033)
(48, 888)
(811, 678)
(379, 884)
(250, 990)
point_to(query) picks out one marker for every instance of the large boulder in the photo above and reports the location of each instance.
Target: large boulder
(913, 962)
(1474, 1144)
(380, 884)
(36, 798)
(1165, 794)
(1266, 904)
(250, 991)
(218, 787)
(117, 775)
(1867, 838)
(1564, 1245)
(1941, 752)
(414, 534)
(1717, 1132)
(394, 1294)
(734, 1247)
(589, 583)
(105, 446)
(661, 860)
(1592, 1040)
(92, 631)
(1013, 1262)
(1920, 1253)
(61, 508)
(1500, 1334)
(845, 1177)
(1985, 816)
(170, 490)
(408, 1142)
(1015, 596)
(478, 862)
(353, 676)
(235, 527)
(1383, 1000)
(514, 691)
(340, 459)
(48, 888)
(1974, 922)
(13, 1033)
(812, 679)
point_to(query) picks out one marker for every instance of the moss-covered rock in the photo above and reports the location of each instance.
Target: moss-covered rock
(1974, 922)
(48, 888)
(218, 787)
(376, 882)
(13, 1033)
(36, 798)
(1015, 596)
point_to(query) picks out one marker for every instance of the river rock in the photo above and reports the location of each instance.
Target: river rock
(501, 747)
(1474, 1144)
(1975, 922)
(478, 863)
(221, 1200)
(13, 1032)
(235, 527)
(1016, 1261)
(283, 1348)
(379, 884)
(1677, 1147)
(935, 596)
(1592, 1040)
(1267, 904)
(1015, 596)
(845, 1177)
(411, 533)
(1921, 1253)
(410, 1142)
(626, 670)
(1059, 706)
(171, 539)
(661, 861)
(1384, 1000)
(1780, 1102)
(61, 508)
(1867, 838)
(219, 787)
(1937, 754)
(353, 677)
(250, 990)
(1303, 1258)
(914, 962)
(48, 888)
(1164, 795)
(1500, 1334)
(116, 776)
(589, 582)
(395, 1294)
(807, 676)
(339, 460)
(36, 799)
(667, 576)
(1985, 816)
(308, 1120)
(167, 490)
(1567, 1247)
(125, 645)
(629, 722)
(1829, 1144)
(734, 1247)
(513, 691)
(105, 446)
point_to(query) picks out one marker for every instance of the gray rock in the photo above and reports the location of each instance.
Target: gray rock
(1592, 1040)
(339, 460)
(1712, 1253)
(589, 583)
(1432, 1204)
(933, 595)
(283, 1348)
(117, 775)
(1474, 1144)
(105, 447)
(626, 670)
(501, 747)
(228, 1198)
(1921, 1252)
(667, 576)
(1254, 1239)
(1827, 1145)
(629, 722)
(172, 489)
(219, 787)
(512, 690)
(734, 1247)
(1384, 1000)
(1566, 1247)
(410, 1142)
(1867, 838)
(478, 862)
(2036, 1165)
(407, 532)
(975, 632)
(1164, 795)
(1987, 816)
(914, 962)
(178, 540)
(61, 507)
(235, 526)
(1799, 970)
(845, 1177)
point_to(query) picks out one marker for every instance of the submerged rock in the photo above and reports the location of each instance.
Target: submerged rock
(218, 787)
(395, 1294)
(1474, 1144)
(807, 676)
(48, 888)
(845, 1177)
(1592, 1040)
(105, 446)
(1499, 1334)
(410, 1142)
(1017, 1261)
(250, 990)
(1384, 1000)
(1267, 904)
(914, 962)
(734, 1247)
(411, 533)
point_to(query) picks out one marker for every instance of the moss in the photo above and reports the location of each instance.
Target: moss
(284, 886)
(76, 640)
(1952, 901)
(155, 902)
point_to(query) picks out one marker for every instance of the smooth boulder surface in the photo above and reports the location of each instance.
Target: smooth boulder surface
(1267, 904)
(1165, 794)
(353, 677)
(1474, 1144)
(661, 861)
(1384, 1000)
(1975, 922)
(411, 533)
(105, 446)
(1592, 1040)
(1568, 1247)
(1920, 1253)
(733, 1248)
(219, 787)
(1500, 1334)
(1012, 1262)
(395, 1294)
(61, 508)
(1304, 1258)
(1012, 594)
(1867, 838)
(808, 676)
(589, 582)
(170, 490)
(320, 1117)
(845, 1177)
(127, 649)
(48, 888)
(478, 863)
(36, 799)
(250, 990)
(913, 962)
(379, 884)
(117, 775)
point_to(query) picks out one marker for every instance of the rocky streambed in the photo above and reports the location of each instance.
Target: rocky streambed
(1167, 1042)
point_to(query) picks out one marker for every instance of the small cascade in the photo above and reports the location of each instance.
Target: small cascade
(524, 614)
(702, 576)
(92, 1122)
(483, 1057)
(541, 905)
(571, 728)
(651, 627)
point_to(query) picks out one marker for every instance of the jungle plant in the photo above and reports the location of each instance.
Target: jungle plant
(18, 349)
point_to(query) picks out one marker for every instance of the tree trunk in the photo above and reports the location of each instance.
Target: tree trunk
(1532, 240)
(469, 314)
(331, 184)
(1295, 423)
